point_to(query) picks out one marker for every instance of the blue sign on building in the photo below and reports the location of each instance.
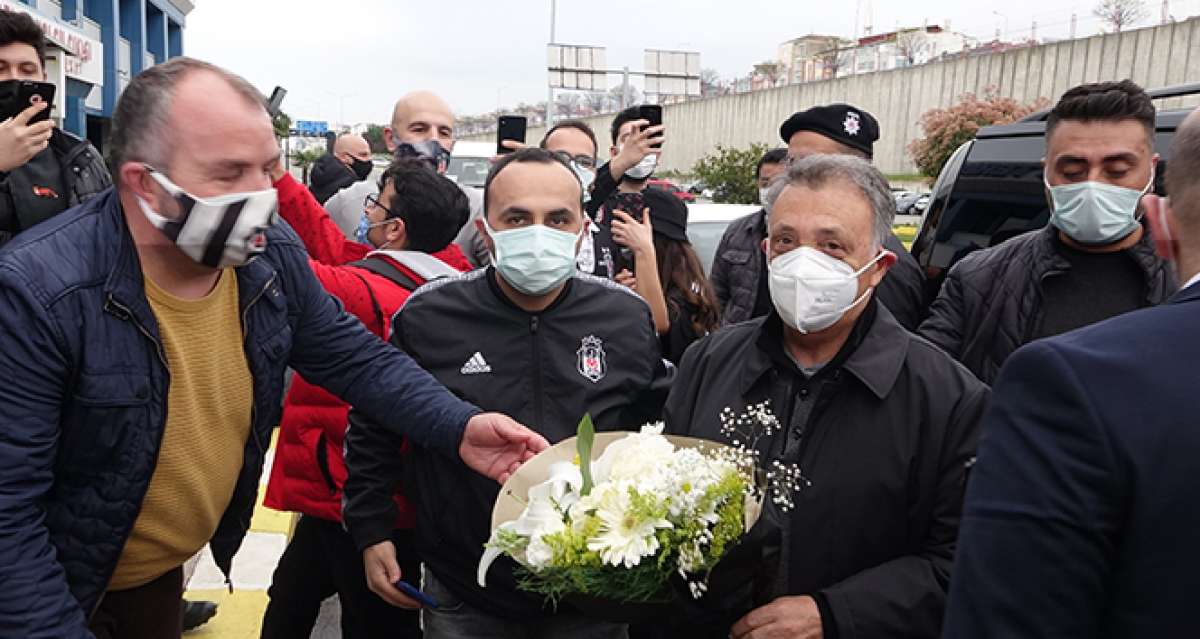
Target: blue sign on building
(311, 127)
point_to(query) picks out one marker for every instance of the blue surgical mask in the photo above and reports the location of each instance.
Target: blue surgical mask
(533, 259)
(364, 229)
(1095, 212)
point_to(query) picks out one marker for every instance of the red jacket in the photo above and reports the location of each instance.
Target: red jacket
(309, 469)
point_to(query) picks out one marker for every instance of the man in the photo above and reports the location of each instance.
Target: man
(43, 170)
(1082, 513)
(838, 129)
(422, 126)
(635, 152)
(522, 335)
(881, 423)
(746, 264)
(349, 162)
(1092, 262)
(144, 349)
(409, 231)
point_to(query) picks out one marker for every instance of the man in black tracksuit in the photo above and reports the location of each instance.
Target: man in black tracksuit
(545, 349)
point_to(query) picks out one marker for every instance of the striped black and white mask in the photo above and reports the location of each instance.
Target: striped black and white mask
(220, 231)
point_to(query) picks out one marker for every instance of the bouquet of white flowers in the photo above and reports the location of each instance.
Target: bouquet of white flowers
(621, 527)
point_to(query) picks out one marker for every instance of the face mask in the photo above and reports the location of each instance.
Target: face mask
(361, 168)
(762, 195)
(586, 178)
(364, 229)
(219, 231)
(1094, 212)
(643, 169)
(535, 258)
(428, 150)
(812, 291)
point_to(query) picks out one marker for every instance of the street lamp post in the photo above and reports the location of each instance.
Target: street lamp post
(550, 90)
(1001, 15)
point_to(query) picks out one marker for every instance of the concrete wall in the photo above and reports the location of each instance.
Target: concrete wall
(1153, 57)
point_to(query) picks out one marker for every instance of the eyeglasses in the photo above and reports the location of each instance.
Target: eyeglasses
(583, 161)
(372, 201)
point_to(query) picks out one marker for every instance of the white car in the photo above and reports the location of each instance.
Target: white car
(707, 223)
(470, 162)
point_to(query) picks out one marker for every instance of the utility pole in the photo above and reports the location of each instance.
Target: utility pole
(1166, 12)
(1073, 20)
(1033, 32)
(550, 90)
(625, 88)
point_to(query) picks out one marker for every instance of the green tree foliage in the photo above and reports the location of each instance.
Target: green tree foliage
(730, 174)
(283, 124)
(306, 158)
(374, 136)
(949, 128)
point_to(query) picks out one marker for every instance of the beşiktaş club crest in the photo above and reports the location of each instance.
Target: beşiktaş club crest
(852, 124)
(592, 364)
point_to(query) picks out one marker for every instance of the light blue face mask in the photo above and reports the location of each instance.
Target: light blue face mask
(533, 259)
(364, 229)
(1094, 212)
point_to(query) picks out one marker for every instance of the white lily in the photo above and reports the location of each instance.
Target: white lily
(543, 515)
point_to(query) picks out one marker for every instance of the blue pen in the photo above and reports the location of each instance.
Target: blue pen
(412, 591)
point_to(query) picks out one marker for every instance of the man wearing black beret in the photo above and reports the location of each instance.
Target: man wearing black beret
(739, 272)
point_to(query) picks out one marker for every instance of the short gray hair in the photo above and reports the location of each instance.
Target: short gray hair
(141, 121)
(816, 171)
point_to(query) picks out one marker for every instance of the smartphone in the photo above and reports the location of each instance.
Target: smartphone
(511, 127)
(275, 102)
(18, 95)
(651, 113)
(415, 593)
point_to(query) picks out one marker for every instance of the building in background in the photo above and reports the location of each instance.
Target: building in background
(902, 48)
(95, 47)
(811, 58)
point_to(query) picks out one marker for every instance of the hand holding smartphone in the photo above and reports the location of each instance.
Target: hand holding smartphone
(413, 592)
(510, 127)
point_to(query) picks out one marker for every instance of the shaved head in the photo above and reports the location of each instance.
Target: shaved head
(352, 145)
(421, 116)
(1183, 172)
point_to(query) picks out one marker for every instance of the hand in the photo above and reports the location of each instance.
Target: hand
(20, 140)
(511, 145)
(636, 236)
(379, 562)
(495, 446)
(636, 147)
(784, 618)
(625, 278)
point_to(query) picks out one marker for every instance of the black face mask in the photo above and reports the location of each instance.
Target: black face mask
(361, 168)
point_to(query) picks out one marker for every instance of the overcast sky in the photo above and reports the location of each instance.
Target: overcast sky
(348, 60)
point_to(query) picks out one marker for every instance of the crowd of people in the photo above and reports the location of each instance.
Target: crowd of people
(1008, 459)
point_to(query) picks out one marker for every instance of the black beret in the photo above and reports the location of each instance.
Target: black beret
(668, 214)
(839, 122)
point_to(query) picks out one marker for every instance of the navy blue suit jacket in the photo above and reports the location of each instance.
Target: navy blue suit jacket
(1082, 518)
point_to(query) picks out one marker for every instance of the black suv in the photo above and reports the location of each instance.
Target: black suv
(991, 188)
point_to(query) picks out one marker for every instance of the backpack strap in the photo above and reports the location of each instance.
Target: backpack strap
(384, 268)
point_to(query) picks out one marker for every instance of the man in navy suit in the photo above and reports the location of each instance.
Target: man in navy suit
(1082, 518)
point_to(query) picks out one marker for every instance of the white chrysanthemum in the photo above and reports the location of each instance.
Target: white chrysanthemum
(633, 457)
(625, 536)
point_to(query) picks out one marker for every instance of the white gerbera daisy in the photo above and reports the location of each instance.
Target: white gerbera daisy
(625, 536)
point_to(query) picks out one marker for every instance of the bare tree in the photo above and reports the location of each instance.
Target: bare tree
(635, 96)
(710, 83)
(1120, 14)
(913, 45)
(566, 105)
(596, 101)
(770, 70)
(833, 62)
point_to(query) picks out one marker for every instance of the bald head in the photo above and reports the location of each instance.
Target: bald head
(351, 146)
(421, 116)
(1183, 172)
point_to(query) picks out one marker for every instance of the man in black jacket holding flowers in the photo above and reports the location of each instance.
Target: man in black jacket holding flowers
(530, 334)
(882, 423)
